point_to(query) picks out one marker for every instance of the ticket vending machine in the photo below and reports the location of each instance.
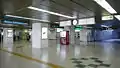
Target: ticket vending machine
(64, 37)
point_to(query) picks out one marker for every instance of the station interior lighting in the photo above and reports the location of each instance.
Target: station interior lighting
(20, 17)
(50, 12)
(106, 6)
(117, 16)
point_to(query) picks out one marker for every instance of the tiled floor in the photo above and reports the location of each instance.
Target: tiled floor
(22, 55)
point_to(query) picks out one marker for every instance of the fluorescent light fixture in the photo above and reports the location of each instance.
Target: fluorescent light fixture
(110, 17)
(117, 16)
(106, 6)
(26, 18)
(50, 12)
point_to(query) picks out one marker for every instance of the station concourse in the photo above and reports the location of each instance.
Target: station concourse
(59, 34)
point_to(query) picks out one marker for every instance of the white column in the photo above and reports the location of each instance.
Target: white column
(37, 39)
(8, 37)
(36, 35)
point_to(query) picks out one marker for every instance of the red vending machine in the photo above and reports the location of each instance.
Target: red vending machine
(64, 38)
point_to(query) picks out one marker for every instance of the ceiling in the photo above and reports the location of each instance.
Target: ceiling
(78, 8)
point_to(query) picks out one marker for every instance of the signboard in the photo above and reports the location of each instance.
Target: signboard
(65, 23)
(82, 21)
(13, 22)
(78, 27)
(86, 21)
(10, 33)
(44, 32)
(63, 34)
(90, 21)
(110, 17)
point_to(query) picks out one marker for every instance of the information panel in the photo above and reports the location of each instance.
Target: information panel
(63, 34)
(10, 33)
(44, 32)
(86, 21)
(65, 23)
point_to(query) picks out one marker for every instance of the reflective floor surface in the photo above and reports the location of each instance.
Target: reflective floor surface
(82, 55)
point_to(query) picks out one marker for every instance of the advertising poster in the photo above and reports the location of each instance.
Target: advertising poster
(44, 33)
(10, 33)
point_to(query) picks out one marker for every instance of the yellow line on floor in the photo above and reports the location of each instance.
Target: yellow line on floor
(32, 59)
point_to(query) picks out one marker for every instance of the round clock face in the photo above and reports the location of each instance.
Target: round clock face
(75, 22)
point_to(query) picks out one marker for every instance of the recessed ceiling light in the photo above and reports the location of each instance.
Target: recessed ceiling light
(50, 12)
(106, 6)
(26, 18)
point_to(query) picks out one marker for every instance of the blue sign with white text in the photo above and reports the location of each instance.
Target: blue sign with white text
(13, 22)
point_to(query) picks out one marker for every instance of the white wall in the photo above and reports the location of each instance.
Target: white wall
(36, 35)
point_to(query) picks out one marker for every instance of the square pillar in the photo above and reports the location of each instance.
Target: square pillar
(38, 33)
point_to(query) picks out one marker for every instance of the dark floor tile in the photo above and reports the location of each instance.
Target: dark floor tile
(74, 59)
(81, 66)
(77, 62)
(98, 61)
(93, 65)
(106, 65)
(84, 58)
(94, 58)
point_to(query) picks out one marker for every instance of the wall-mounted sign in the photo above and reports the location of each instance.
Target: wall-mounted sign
(63, 34)
(90, 21)
(44, 32)
(86, 21)
(65, 23)
(9, 33)
(13, 22)
(78, 27)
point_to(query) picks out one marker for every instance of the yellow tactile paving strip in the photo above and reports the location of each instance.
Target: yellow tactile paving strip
(32, 59)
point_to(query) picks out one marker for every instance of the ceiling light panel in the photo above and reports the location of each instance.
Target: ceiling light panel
(110, 17)
(27, 18)
(106, 6)
(50, 12)
(117, 16)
